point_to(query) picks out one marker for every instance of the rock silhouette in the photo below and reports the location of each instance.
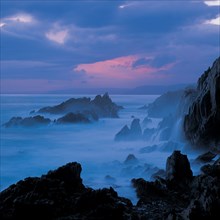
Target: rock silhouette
(202, 123)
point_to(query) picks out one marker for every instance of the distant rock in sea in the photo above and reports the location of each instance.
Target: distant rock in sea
(131, 159)
(202, 122)
(37, 120)
(132, 134)
(81, 110)
(102, 106)
(72, 118)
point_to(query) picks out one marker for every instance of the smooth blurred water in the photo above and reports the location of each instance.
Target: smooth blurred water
(33, 151)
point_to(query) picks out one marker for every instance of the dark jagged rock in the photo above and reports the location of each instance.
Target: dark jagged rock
(204, 197)
(147, 191)
(72, 118)
(206, 157)
(134, 133)
(178, 171)
(199, 199)
(212, 170)
(37, 120)
(202, 123)
(60, 194)
(131, 159)
(101, 105)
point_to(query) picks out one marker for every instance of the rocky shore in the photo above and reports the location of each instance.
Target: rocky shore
(60, 194)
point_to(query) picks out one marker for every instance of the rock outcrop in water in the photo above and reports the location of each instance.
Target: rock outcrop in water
(60, 194)
(72, 118)
(202, 123)
(102, 106)
(37, 120)
(132, 134)
(81, 110)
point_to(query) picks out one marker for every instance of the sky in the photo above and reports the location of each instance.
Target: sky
(49, 46)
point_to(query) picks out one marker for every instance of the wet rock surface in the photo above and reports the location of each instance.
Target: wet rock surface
(202, 123)
(206, 157)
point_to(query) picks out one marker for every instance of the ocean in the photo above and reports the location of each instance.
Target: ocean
(33, 151)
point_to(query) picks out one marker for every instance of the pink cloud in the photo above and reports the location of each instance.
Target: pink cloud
(122, 71)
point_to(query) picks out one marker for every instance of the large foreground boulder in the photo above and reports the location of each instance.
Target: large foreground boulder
(178, 171)
(60, 194)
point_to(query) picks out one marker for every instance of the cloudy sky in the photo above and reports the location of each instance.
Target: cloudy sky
(59, 45)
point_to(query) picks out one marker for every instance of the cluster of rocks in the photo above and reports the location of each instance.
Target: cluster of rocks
(81, 110)
(171, 107)
(135, 132)
(101, 105)
(132, 133)
(202, 122)
(60, 194)
(181, 195)
(194, 112)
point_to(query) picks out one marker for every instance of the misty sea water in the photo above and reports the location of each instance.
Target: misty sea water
(34, 151)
